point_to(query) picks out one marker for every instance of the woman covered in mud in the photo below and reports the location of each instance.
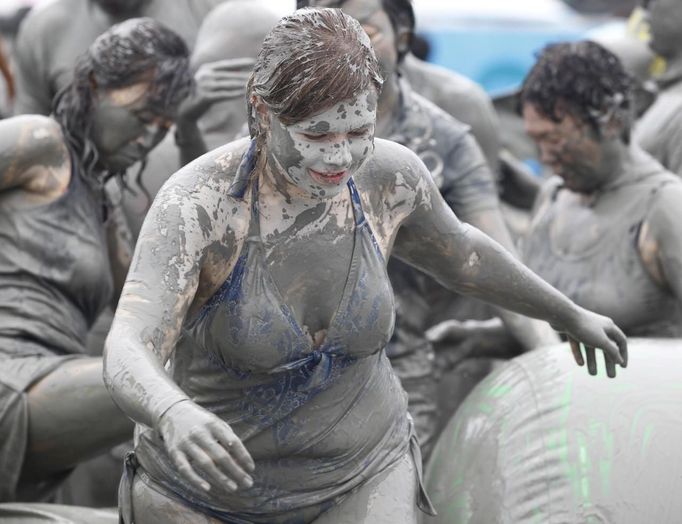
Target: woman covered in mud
(249, 340)
(64, 251)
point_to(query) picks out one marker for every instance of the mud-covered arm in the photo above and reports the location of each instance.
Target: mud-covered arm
(188, 231)
(469, 189)
(663, 225)
(33, 155)
(466, 260)
(161, 285)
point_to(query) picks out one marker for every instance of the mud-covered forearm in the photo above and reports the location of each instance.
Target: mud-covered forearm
(135, 376)
(530, 333)
(464, 259)
(491, 273)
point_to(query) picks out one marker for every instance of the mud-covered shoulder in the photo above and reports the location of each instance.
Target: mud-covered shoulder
(194, 229)
(393, 183)
(29, 143)
(206, 184)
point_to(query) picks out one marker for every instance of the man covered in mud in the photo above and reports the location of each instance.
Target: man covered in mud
(459, 169)
(606, 230)
(659, 130)
(54, 35)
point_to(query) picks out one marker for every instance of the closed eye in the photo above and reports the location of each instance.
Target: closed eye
(359, 132)
(310, 136)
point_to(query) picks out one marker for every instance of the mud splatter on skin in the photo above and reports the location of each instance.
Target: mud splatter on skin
(341, 145)
(177, 268)
(197, 253)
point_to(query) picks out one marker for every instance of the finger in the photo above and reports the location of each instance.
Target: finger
(577, 354)
(615, 334)
(222, 96)
(610, 366)
(217, 83)
(230, 80)
(202, 461)
(237, 76)
(220, 453)
(230, 441)
(183, 466)
(233, 63)
(591, 360)
(442, 331)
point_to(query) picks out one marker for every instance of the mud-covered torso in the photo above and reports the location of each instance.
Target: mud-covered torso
(318, 416)
(309, 260)
(55, 274)
(589, 250)
(267, 312)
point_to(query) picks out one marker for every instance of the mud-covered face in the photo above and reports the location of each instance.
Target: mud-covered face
(124, 128)
(319, 154)
(569, 147)
(665, 21)
(377, 25)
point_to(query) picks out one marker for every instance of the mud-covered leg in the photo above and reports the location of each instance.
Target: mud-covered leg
(389, 498)
(71, 418)
(151, 507)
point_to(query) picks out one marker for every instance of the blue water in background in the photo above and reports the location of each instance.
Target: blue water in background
(496, 57)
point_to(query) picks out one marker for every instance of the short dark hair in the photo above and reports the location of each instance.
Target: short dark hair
(584, 79)
(400, 13)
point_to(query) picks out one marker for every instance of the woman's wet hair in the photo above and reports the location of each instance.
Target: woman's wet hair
(312, 60)
(399, 12)
(137, 50)
(585, 80)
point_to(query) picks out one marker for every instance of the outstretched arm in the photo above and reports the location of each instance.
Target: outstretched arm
(466, 260)
(470, 190)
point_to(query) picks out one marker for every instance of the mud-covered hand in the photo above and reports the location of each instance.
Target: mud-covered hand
(204, 448)
(215, 82)
(596, 331)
